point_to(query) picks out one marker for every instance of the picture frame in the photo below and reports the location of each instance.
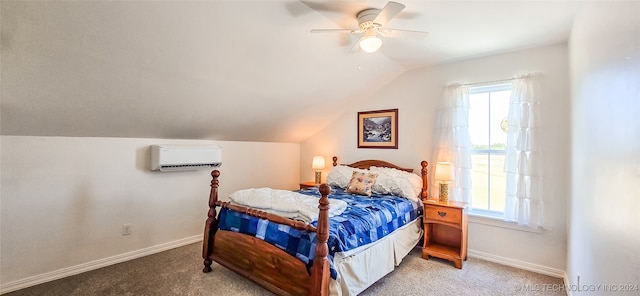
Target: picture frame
(378, 129)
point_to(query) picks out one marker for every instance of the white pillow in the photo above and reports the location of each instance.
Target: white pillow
(397, 182)
(340, 176)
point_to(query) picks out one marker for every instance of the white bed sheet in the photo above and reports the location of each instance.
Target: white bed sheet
(361, 267)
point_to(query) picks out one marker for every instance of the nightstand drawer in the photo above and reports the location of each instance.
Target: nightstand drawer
(444, 214)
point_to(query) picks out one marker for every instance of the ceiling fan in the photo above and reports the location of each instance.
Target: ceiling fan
(371, 23)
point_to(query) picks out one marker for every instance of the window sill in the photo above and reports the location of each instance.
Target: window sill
(498, 222)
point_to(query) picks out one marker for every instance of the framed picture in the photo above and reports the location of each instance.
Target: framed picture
(378, 129)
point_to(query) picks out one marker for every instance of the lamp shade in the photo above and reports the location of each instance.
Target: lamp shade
(318, 162)
(444, 171)
(370, 43)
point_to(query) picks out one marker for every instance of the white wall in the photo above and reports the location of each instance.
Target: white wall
(64, 200)
(604, 236)
(417, 94)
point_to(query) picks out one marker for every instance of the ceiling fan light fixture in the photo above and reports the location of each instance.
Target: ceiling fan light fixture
(370, 43)
(372, 22)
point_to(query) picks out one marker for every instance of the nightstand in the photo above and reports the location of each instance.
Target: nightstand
(307, 185)
(445, 231)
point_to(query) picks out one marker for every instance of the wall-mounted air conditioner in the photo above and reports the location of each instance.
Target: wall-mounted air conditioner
(184, 157)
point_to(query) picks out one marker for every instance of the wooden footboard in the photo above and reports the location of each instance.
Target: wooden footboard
(262, 262)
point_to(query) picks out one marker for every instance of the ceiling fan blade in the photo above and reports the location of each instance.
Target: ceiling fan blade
(352, 31)
(399, 33)
(356, 46)
(388, 12)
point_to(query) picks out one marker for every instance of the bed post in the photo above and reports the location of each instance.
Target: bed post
(320, 270)
(211, 226)
(424, 194)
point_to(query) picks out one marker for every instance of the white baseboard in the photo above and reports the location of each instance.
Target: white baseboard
(567, 283)
(84, 267)
(518, 264)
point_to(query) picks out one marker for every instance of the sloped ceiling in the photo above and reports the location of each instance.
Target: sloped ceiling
(229, 70)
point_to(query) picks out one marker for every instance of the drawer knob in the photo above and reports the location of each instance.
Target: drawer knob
(442, 214)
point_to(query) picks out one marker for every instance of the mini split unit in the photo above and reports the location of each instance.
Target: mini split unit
(167, 158)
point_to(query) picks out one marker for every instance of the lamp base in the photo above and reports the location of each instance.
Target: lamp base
(444, 192)
(318, 177)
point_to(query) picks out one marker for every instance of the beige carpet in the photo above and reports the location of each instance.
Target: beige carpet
(178, 272)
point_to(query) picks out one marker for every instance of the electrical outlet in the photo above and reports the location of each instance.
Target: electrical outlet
(126, 229)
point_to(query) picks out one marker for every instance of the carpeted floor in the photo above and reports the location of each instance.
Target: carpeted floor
(178, 272)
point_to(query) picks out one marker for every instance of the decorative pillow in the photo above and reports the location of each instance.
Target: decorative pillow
(361, 183)
(340, 176)
(397, 182)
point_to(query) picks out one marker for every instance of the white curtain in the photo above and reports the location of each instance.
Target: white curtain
(452, 141)
(524, 200)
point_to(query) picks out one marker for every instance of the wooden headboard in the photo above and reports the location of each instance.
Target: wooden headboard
(366, 164)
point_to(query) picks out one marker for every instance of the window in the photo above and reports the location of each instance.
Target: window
(488, 112)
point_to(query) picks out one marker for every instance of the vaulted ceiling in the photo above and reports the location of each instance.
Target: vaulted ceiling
(230, 70)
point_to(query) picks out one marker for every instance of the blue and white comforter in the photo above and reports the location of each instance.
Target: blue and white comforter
(365, 220)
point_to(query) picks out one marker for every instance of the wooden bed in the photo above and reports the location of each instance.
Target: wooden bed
(267, 265)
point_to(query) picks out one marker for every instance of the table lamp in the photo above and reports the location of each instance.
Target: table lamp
(444, 173)
(318, 164)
